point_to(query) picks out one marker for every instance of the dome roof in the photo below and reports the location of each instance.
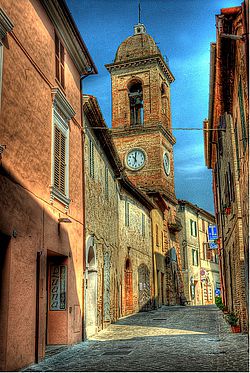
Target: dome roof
(137, 46)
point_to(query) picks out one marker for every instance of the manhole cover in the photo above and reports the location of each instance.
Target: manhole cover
(122, 352)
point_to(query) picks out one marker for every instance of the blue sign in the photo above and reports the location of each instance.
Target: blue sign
(212, 232)
(217, 292)
(213, 245)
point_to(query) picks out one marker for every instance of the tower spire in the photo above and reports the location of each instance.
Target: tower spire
(139, 28)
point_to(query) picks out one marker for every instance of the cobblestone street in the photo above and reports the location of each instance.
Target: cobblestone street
(169, 339)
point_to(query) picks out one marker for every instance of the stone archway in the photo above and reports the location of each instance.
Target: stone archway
(91, 289)
(144, 287)
(128, 287)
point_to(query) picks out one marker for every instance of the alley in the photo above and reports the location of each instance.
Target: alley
(168, 339)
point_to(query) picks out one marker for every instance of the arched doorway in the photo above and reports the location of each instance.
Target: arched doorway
(128, 281)
(91, 289)
(144, 287)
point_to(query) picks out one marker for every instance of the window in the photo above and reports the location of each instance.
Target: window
(143, 224)
(136, 104)
(58, 278)
(59, 57)
(195, 257)
(106, 182)
(203, 226)
(62, 113)
(59, 160)
(193, 228)
(237, 148)
(5, 26)
(126, 213)
(242, 116)
(157, 234)
(91, 159)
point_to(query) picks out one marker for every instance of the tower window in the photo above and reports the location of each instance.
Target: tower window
(136, 104)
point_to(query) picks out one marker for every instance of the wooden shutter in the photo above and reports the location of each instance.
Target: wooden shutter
(242, 116)
(59, 58)
(143, 224)
(59, 160)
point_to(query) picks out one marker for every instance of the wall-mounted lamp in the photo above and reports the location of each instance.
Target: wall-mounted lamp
(64, 220)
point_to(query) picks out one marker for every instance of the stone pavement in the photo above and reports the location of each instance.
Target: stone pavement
(170, 339)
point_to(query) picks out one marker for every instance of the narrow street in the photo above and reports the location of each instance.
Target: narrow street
(171, 339)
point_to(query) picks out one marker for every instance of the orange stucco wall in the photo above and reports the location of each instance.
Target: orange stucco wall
(25, 178)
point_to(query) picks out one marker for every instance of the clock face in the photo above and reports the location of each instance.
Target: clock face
(166, 163)
(135, 159)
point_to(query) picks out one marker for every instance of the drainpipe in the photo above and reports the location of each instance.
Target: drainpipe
(83, 198)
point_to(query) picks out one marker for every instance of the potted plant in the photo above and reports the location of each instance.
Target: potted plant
(233, 320)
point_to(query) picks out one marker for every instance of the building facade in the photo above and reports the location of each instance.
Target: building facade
(118, 275)
(42, 60)
(227, 151)
(199, 263)
(141, 129)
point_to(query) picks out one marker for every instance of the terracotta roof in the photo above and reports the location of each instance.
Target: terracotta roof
(139, 46)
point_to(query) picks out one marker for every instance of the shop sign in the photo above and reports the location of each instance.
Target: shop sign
(58, 275)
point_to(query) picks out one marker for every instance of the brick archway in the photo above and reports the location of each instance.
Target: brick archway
(128, 282)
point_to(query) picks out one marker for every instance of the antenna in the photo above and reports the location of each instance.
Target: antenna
(139, 11)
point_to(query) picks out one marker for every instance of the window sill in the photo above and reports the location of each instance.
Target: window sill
(56, 194)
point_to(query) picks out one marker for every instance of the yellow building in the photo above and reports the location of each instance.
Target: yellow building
(200, 266)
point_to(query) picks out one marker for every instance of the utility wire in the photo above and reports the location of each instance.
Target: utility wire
(172, 129)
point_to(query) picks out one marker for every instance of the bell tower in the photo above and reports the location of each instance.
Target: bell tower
(141, 112)
(142, 132)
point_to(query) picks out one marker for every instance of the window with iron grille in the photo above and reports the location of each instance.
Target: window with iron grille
(91, 159)
(59, 160)
(143, 224)
(106, 182)
(126, 213)
(59, 60)
(242, 116)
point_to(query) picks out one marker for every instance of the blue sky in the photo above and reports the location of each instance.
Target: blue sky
(183, 30)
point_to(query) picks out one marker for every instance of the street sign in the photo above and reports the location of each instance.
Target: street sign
(212, 232)
(213, 245)
(217, 292)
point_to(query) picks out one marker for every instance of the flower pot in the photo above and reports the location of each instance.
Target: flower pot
(235, 328)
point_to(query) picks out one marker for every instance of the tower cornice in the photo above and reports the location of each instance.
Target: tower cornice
(142, 61)
(140, 130)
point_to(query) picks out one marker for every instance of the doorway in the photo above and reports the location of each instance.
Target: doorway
(91, 289)
(128, 279)
(144, 287)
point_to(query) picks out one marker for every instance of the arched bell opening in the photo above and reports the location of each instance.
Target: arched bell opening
(135, 93)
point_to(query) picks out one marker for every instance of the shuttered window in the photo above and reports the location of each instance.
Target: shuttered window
(59, 58)
(91, 159)
(59, 160)
(106, 182)
(242, 117)
(157, 234)
(237, 148)
(143, 224)
(126, 213)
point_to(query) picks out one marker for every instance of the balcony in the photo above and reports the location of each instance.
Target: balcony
(175, 226)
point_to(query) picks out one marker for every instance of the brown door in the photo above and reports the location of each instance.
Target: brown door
(162, 288)
(128, 288)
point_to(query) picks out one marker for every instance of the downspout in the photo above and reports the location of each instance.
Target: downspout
(83, 200)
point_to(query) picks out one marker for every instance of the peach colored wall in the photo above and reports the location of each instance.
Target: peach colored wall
(25, 127)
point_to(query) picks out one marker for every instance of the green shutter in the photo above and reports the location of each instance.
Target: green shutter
(242, 116)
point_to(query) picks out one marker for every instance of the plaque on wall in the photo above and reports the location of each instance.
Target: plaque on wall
(58, 278)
